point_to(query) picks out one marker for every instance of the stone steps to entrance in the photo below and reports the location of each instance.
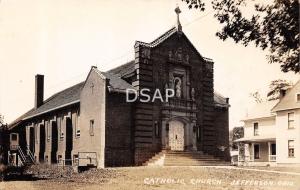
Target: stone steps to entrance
(187, 160)
(184, 158)
(191, 156)
(154, 159)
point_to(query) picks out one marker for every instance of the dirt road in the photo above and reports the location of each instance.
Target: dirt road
(140, 178)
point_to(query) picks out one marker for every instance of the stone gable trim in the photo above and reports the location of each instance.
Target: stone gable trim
(159, 40)
(167, 35)
(94, 68)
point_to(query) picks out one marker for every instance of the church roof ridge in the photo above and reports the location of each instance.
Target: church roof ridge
(158, 40)
(58, 99)
(70, 96)
(165, 36)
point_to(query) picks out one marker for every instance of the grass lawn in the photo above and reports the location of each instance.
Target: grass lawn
(186, 178)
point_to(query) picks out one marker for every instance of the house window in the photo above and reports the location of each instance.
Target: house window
(273, 149)
(92, 127)
(291, 121)
(298, 97)
(256, 133)
(291, 148)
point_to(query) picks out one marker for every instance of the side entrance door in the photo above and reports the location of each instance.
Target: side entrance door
(176, 135)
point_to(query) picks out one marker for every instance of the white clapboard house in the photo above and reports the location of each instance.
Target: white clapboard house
(272, 132)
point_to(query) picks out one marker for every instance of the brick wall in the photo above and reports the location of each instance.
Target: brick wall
(222, 132)
(143, 114)
(119, 131)
(153, 68)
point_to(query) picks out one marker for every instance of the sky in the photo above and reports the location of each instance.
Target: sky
(62, 39)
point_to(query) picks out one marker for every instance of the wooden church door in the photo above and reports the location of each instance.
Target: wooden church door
(176, 135)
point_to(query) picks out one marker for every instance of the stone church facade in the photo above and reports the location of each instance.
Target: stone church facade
(92, 123)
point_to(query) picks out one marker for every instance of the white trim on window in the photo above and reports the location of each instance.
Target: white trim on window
(291, 120)
(291, 146)
(255, 129)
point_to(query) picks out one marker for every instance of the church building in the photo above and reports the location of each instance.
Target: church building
(92, 123)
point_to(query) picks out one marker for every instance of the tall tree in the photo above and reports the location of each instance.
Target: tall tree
(273, 26)
(275, 89)
(3, 150)
(257, 97)
(235, 133)
(1, 120)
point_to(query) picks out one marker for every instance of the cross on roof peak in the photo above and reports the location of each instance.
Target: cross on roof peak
(177, 10)
(178, 25)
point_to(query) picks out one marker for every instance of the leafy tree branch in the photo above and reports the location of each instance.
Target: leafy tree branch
(273, 27)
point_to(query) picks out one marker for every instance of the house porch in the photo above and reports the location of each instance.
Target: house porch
(257, 152)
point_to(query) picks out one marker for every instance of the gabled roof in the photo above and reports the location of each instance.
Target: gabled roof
(70, 96)
(167, 35)
(261, 110)
(289, 101)
(58, 100)
(158, 40)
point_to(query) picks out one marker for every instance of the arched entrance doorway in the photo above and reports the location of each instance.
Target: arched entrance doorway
(176, 135)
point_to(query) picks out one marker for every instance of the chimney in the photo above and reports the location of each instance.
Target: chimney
(39, 91)
(227, 100)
